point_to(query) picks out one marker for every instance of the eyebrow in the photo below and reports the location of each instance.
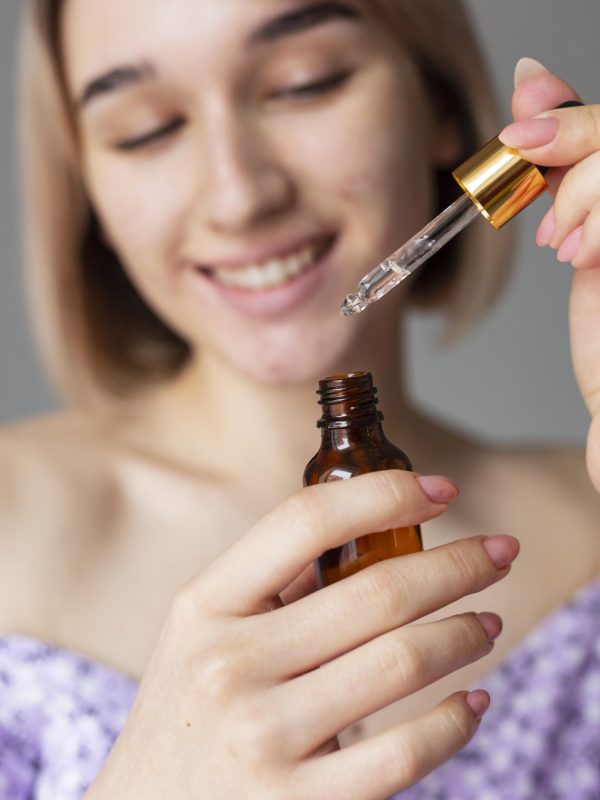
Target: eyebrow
(117, 78)
(302, 19)
(287, 24)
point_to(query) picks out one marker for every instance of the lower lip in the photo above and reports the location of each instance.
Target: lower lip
(277, 300)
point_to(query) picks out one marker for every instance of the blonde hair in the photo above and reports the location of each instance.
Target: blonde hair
(98, 338)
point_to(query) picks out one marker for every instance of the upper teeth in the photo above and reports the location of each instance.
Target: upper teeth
(268, 274)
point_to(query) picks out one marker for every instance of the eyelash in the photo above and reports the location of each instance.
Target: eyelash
(302, 91)
(151, 136)
(321, 86)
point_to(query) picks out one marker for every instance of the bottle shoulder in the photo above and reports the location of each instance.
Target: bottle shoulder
(333, 463)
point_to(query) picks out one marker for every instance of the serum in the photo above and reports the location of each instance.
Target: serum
(352, 443)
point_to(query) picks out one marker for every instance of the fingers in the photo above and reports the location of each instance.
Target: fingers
(585, 335)
(379, 599)
(556, 138)
(245, 578)
(537, 90)
(560, 138)
(582, 246)
(326, 701)
(390, 762)
(571, 225)
(578, 195)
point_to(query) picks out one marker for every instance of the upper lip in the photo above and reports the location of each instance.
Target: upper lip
(259, 253)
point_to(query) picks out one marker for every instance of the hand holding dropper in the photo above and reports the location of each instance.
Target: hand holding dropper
(496, 182)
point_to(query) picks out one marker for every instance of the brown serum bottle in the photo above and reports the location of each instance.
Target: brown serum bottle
(352, 443)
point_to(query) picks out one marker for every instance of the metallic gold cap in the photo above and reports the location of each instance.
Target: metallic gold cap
(499, 181)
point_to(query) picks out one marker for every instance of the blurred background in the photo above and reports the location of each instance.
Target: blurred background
(510, 380)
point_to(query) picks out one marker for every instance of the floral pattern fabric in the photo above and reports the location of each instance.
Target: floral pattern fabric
(60, 714)
(540, 739)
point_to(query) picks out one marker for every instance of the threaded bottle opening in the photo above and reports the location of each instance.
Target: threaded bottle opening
(348, 399)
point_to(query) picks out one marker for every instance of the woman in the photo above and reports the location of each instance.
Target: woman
(205, 182)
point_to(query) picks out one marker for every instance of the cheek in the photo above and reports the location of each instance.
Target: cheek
(370, 156)
(140, 209)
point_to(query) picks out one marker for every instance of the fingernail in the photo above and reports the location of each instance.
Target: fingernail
(437, 488)
(570, 247)
(527, 68)
(501, 549)
(529, 133)
(546, 229)
(479, 702)
(491, 624)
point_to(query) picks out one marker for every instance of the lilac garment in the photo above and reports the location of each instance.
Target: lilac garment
(540, 739)
(60, 714)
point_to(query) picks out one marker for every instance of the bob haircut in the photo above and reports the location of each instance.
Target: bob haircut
(99, 340)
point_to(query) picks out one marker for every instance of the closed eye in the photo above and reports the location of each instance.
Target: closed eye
(314, 88)
(151, 136)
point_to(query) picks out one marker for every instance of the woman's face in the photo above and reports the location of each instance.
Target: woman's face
(249, 162)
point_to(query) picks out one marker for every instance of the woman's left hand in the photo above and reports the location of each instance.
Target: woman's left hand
(568, 139)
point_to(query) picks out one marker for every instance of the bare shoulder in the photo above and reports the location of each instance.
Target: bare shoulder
(43, 460)
(544, 496)
(557, 474)
(52, 482)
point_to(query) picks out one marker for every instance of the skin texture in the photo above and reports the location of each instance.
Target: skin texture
(251, 167)
(105, 519)
(267, 719)
(572, 225)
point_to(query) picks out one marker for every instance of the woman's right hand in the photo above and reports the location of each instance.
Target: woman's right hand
(244, 696)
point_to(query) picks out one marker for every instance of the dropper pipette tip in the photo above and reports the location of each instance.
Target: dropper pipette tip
(353, 304)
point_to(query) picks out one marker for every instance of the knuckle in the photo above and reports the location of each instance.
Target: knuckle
(261, 733)
(185, 604)
(465, 561)
(393, 489)
(459, 722)
(384, 584)
(401, 660)
(307, 511)
(253, 738)
(569, 187)
(593, 125)
(220, 672)
(471, 633)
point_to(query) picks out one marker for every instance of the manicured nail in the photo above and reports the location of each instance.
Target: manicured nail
(527, 68)
(570, 247)
(479, 702)
(546, 229)
(530, 133)
(437, 488)
(491, 624)
(501, 549)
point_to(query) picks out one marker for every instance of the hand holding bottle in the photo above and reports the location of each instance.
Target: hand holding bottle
(244, 696)
(568, 139)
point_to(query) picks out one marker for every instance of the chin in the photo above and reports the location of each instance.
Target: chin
(295, 359)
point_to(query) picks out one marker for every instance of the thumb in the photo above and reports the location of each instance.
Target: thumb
(537, 90)
(541, 132)
(556, 138)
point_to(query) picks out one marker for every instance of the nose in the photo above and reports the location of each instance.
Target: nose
(245, 183)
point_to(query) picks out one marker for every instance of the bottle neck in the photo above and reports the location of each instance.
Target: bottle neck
(349, 401)
(353, 437)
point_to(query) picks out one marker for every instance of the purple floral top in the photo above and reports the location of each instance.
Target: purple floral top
(60, 714)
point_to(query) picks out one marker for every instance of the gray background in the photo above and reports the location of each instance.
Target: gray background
(511, 379)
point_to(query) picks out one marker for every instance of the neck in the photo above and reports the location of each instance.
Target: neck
(214, 415)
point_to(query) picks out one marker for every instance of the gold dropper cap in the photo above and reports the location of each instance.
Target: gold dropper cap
(499, 181)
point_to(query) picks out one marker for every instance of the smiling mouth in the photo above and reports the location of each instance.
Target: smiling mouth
(273, 272)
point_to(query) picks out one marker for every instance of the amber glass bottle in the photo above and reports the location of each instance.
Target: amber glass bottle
(353, 442)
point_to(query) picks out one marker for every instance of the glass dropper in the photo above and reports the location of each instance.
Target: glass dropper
(496, 182)
(410, 256)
